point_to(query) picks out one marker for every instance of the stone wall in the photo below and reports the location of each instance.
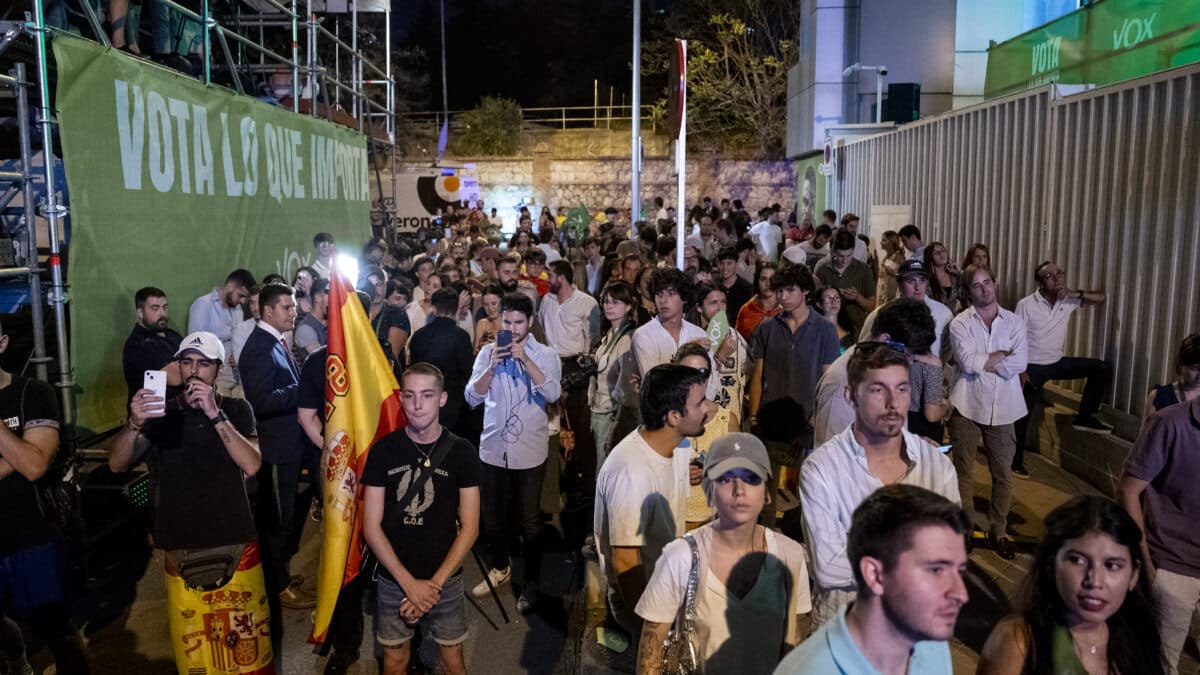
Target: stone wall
(600, 182)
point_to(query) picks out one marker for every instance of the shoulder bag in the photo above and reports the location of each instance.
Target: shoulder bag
(681, 654)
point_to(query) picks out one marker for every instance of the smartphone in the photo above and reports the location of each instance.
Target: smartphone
(156, 382)
(503, 339)
(718, 329)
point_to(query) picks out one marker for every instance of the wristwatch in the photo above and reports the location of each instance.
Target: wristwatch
(221, 417)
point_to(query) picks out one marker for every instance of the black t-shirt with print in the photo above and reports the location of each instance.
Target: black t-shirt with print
(200, 494)
(24, 404)
(422, 531)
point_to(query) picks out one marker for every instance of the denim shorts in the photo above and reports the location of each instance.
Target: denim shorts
(447, 621)
(32, 578)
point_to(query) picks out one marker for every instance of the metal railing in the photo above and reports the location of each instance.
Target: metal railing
(287, 16)
(563, 117)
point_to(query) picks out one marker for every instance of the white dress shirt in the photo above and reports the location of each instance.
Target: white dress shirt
(1046, 325)
(985, 397)
(568, 325)
(767, 236)
(593, 277)
(516, 430)
(835, 479)
(654, 346)
(941, 319)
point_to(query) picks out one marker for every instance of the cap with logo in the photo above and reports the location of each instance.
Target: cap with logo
(737, 451)
(204, 342)
(912, 268)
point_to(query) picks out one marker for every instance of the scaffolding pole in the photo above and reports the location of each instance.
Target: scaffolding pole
(31, 255)
(53, 211)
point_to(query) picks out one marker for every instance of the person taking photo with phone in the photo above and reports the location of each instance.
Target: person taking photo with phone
(516, 377)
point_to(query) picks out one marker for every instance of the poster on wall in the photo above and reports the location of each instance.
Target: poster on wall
(422, 196)
(810, 188)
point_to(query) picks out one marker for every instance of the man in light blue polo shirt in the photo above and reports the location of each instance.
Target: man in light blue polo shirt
(908, 551)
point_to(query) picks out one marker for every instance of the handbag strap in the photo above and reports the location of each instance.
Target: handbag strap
(687, 615)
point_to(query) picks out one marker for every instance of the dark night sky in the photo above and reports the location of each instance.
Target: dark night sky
(538, 52)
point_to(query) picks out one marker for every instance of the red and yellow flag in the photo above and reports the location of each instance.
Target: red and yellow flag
(362, 404)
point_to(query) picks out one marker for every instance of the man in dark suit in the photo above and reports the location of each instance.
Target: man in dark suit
(445, 345)
(271, 378)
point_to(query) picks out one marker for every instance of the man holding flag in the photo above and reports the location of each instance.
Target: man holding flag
(362, 405)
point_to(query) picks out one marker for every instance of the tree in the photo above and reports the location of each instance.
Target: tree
(492, 128)
(738, 57)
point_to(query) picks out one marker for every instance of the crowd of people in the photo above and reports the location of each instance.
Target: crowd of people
(775, 439)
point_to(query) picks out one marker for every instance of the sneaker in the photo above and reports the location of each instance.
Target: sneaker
(1004, 547)
(498, 577)
(1019, 471)
(1091, 424)
(528, 599)
(292, 598)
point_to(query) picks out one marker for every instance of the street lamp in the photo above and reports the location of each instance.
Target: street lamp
(880, 73)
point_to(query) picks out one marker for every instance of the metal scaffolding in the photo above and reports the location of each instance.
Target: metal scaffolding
(316, 77)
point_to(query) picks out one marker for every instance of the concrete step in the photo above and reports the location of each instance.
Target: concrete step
(1098, 459)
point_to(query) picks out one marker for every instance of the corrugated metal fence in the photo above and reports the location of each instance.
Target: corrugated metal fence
(1103, 182)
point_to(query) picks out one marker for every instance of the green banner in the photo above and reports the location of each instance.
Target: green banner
(1104, 42)
(174, 184)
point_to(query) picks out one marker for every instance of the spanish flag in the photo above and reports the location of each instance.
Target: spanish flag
(362, 405)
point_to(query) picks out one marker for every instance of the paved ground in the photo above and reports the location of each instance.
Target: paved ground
(127, 630)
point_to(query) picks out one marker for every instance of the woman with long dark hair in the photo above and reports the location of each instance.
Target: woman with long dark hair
(1086, 602)
(945, 279)
(614, 365)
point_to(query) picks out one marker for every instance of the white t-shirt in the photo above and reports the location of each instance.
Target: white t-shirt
(640, 501)
(762, 620)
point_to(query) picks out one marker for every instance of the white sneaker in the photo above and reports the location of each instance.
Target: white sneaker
(498, 577)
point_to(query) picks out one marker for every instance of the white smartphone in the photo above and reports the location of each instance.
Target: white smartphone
(156, 382)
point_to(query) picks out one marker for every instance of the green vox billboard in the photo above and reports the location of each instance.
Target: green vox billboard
(1104, 42)
(174, 184)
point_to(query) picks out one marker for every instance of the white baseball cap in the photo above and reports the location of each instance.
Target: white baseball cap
(204, 342)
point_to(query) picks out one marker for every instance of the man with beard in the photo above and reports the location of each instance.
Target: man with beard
(907, 550)
(516, 380)
(875, 450)
(508, 278)
(200, 433)
(151, 344)
(853, 279)
(571, 321)
(641, 492)
(991, 349)
(218, 312)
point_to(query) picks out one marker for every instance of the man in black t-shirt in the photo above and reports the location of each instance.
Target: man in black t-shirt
(33, 563)
(200, 434)
(420, 525)
(151, 344)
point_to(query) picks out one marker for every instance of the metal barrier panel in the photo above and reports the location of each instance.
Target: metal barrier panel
(970, 176)
(1123, 208)
(1105, 182)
